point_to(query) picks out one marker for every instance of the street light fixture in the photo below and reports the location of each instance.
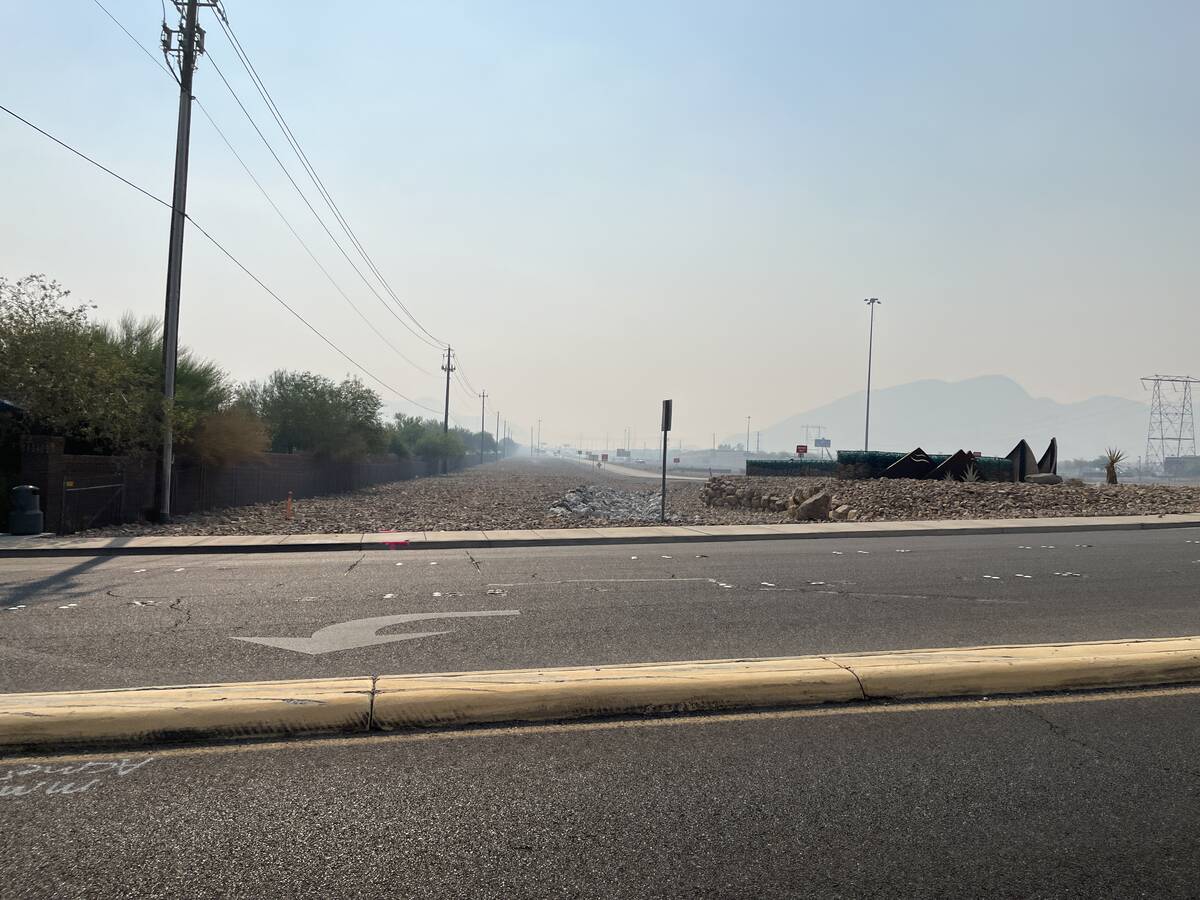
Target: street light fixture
(871, 302)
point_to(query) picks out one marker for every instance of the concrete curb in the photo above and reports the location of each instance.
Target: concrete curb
(43, 545)
(46, 721)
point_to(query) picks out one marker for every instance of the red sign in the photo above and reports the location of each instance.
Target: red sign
(801, 449)
(977, 453)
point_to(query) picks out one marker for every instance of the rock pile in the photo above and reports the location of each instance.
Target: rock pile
(802, 499)
(605, 504)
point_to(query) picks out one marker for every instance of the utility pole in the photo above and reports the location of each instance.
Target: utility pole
(539, 438)
(482, 422)
(531, 440)
(747, 434)
(186, 43)
(871, 302)
(447, 367)
(506, 438)
(497, 433)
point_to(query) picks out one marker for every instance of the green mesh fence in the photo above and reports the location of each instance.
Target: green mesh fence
(873, 463)
(792, 467)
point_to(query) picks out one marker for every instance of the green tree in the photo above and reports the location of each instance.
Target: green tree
(66, 375)
(310, 413)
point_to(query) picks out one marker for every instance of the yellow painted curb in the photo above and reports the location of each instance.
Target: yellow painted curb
(143, 715)
(528, 695)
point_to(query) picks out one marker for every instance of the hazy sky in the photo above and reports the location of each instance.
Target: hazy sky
(602, 204)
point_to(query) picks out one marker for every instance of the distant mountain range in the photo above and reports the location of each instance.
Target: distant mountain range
(990, 413)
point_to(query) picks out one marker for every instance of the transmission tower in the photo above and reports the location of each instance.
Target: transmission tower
(1172, 430)
(822, 451)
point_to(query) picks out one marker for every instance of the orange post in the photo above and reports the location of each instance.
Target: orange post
(288, 514)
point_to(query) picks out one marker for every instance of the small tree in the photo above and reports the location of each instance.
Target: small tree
(1112, 459)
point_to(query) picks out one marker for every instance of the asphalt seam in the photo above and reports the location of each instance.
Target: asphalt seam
(371, 703)
(862, 690)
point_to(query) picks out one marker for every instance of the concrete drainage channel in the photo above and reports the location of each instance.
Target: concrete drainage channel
(56, 721)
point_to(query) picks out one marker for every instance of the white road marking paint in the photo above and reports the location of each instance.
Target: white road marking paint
(433, 563)
(666, 557)
(863, 552)
(307, 599)
(508, 584)
(1069, 574)
(28, 779)
(399, 564)
(904, 551)
(766, 584)
(497, 592)
(362, 632)
(136, 571)
(992, 577)
(633, 557)
(20, 606)
(145, 602)
(388, 596)
(437, 593)
(815, 583)
(179, 570)
(701, 556)
(1019, 575)
(1024, 547)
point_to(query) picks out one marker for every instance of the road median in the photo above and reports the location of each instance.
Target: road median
(48, 721)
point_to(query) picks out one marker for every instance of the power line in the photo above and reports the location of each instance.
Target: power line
(260, 85)
(466, 380)
(154, 59)
(266, 195)
(311, 208)
(227, 253)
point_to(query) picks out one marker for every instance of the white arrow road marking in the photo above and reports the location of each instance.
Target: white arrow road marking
(361, 632)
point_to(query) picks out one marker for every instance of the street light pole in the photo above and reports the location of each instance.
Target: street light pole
(871, 302)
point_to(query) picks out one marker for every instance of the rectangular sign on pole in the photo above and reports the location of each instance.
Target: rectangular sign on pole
(666, 427)
(801, 449)
(823, 442)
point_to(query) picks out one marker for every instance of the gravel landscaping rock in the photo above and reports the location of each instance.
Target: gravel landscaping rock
(555, 494)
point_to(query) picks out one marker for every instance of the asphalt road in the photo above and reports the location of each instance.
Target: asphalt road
(1085, 796)
(95, 622)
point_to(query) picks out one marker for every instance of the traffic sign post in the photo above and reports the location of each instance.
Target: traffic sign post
(666, 429)
(801, 449)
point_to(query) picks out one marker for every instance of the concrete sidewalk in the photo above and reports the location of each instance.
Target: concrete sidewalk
(53, 545)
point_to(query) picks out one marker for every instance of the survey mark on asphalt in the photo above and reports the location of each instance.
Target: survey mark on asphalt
(363, 632)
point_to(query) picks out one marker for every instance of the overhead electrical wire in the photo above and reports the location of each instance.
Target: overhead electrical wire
(311, 208)
(237, 262)
(267, 196)
(264, 93)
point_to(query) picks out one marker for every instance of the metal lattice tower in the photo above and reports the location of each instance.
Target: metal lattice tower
(1172, 430)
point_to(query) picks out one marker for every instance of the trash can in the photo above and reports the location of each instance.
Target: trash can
(24, 510)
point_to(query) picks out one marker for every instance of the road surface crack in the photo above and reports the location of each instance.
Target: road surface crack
(352, 565)
(1100, 755)
(186, 610)
(474, 561)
